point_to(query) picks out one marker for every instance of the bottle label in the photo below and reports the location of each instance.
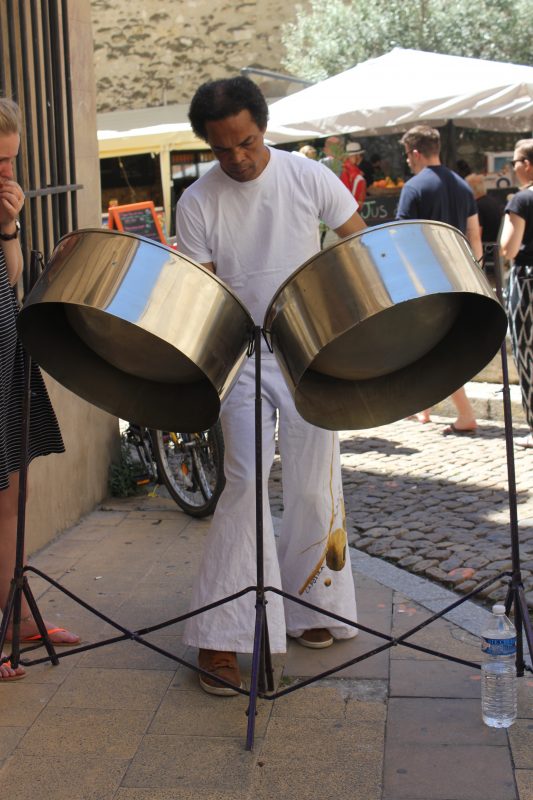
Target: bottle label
(499, 647)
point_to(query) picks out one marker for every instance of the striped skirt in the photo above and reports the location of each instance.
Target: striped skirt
(45, 436)
(520, 310)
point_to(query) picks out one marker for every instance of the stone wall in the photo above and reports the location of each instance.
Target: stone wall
(156, 52)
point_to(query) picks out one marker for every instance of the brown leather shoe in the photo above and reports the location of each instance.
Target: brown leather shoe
(223, 664)
(316, 638)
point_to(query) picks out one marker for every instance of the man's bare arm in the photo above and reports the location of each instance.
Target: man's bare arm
(352, 225)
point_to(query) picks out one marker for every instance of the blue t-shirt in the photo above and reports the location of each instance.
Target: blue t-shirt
(439, 194)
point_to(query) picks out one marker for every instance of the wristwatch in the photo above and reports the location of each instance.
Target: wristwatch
(7, 237)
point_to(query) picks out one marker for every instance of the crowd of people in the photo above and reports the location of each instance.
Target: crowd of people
(259, 194)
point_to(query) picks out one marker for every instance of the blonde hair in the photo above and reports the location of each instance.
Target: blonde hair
(308, 150)
(10, 117)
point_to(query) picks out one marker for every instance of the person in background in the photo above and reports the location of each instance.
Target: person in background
(352, 175)
(489, 212)
(462, 168)
(490, 218)
(45, 436)
(333, 157)
(378, 173)
(253, 220)
(437, 193)
(516, 243)
(309, 151)
(367, 169)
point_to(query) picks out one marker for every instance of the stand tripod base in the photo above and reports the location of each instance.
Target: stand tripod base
(262, 678)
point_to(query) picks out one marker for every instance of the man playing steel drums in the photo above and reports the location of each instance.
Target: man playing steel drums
(253, 219)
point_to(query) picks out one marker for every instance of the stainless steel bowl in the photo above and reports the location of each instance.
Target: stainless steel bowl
(137, 329)
(383, 324)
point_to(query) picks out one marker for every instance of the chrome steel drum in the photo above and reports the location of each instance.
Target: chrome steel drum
(383, 324)
(137, 329)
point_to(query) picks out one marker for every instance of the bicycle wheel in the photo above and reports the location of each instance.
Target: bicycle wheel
(191, 466)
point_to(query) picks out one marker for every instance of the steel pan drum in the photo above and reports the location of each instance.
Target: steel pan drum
(383, 324)
(137, 329)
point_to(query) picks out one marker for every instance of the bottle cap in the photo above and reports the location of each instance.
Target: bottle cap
(499, 608)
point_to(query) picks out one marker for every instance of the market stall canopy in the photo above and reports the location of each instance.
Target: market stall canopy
(153, 130)
(146, 130)
(405, 87)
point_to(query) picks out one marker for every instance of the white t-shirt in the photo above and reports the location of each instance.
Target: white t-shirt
(259, 232)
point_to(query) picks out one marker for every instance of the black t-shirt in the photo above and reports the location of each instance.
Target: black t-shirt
(521, 203)
(437, 193)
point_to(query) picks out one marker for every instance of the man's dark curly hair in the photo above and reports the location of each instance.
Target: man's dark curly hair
(216, 100)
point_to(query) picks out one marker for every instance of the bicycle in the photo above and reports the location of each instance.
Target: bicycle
(190, 465)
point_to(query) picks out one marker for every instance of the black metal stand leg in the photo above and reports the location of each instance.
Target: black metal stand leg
(261, 651)
(515, 595)
(266, 660)
(19, 584)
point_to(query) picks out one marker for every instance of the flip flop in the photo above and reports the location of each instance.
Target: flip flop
(451, 430)
(37, 638)
(16, 677)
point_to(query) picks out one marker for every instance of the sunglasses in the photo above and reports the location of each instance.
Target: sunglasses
(516, 161)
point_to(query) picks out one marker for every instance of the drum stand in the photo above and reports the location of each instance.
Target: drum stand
(261, 682)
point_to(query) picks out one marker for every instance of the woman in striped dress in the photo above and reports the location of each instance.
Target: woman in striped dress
(45, 436)
(517, 245)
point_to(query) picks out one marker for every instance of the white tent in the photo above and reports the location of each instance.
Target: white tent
(148, 130)
(404, 87)
(145, 130)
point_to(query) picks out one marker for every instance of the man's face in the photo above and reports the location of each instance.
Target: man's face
(9, 147)
(333, 147)
(520, 165)
(238, 145)
(413, 160)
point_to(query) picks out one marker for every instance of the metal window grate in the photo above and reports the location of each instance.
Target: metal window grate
(35, 72)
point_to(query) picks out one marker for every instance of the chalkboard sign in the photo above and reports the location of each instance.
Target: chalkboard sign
(378, 209)
(139, 218)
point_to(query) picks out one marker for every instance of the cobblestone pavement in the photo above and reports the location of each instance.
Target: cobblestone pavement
(436, 505)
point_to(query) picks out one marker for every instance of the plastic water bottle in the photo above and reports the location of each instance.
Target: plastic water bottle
(498, 672)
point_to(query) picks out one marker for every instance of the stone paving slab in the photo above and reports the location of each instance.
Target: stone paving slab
(101, 731)
(411, 678)
(439, 720)
(195, 762)
(64, 777)
(437, 772)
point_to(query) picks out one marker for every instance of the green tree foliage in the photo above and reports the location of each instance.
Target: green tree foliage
(327, 38)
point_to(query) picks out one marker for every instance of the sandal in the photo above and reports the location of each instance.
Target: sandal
(60, 642)
(453, 430)
(17, 674)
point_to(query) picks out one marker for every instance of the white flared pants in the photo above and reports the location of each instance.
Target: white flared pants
(313, 531)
